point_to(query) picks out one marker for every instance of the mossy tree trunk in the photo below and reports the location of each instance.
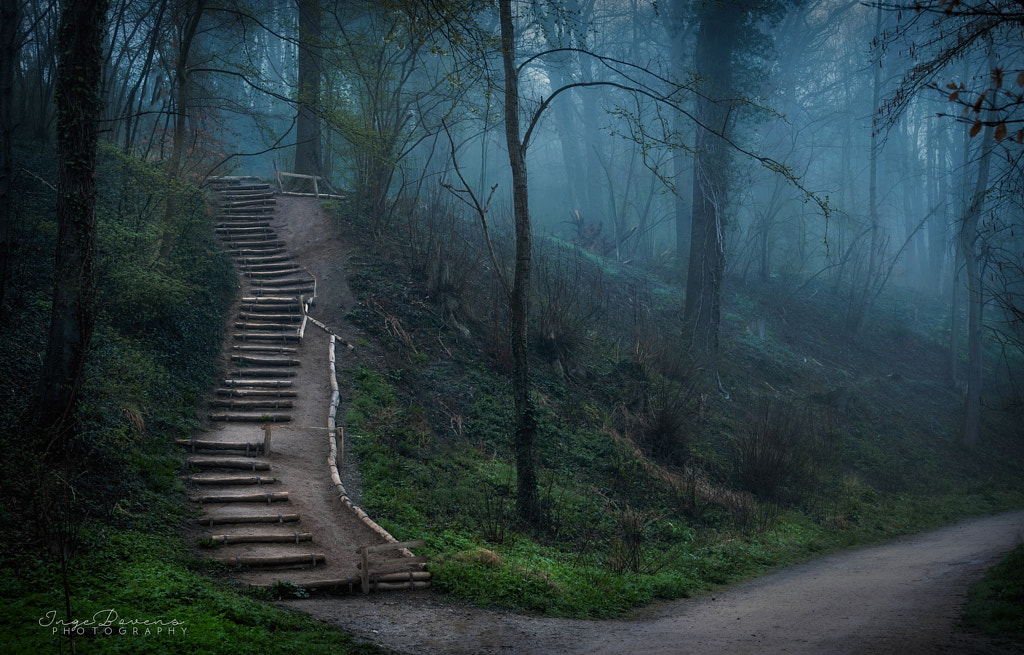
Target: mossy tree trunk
(10, 26)
(78, 100)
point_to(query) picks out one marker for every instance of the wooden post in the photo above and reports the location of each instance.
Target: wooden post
(266, 438)
(316, 189)
(365, 569)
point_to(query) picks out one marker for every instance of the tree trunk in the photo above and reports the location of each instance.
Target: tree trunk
(716, 40)
(527, 500)
(862, 307)
(182, 82)
(975, 287)
(10, 25)
(78, 104)
(308, 142)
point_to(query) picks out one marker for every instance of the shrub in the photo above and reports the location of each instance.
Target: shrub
(770, 454)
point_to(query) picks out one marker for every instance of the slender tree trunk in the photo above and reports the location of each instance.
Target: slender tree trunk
(168, 228)
(975, 288)
(308, 141)
(716, 41)
(527, 499)
(78, 104)
(10, 26)
(862, 307)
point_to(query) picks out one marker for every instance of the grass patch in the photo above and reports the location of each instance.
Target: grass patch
(996, 605)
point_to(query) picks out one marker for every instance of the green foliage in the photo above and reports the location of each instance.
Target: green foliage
(996, 606)
(149, 577)
(116, 505)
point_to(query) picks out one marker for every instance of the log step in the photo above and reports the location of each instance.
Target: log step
(251, 418)
(252, 360)
(230, 224)
(270, 300)
(295, 285)
(265, 326)
(267, 268)
(260, 373)
(258, 252)
(251, 405)
(266, 336)
(227, 480)
(229, 463)
(268, 497)
(291, 270)
(267, 350)
(256, 393)
(273, 243)
(247, 518)
(311, 560)
(257, 384)
(247, 186)
(247, 446)
(262, 538)
(277, 318)
(265, 259)
(249, 202)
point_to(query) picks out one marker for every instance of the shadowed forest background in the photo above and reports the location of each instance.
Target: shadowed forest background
(653, 296)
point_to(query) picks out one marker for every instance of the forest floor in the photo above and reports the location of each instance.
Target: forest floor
(905, 597)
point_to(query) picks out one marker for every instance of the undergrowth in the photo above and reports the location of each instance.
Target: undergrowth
(655, 481)
(92, 544)
(996, 605)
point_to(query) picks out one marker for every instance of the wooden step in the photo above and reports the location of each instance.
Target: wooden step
(236, 223)
(284, 272)
(269, 350)
(272, 266)
(257, 384)
(257, 393)
(254, 447)
(265, 326)
(276, 318)
(251, 405)
(252, 373)
(270, 300)
(230, 479)
(266, 336)
(236, 201)
(262, 538)
(226, 519)
(261, 497)
(228, 463)
(257, 252)
(252, 360)
(267, 259)
(265, 561)
(256, 244)
(231, 417)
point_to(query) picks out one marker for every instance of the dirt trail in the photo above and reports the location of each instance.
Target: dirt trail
(294, 234)
(904, 597)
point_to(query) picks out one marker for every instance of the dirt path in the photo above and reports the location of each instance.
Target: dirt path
(905, 597)
(314, 527)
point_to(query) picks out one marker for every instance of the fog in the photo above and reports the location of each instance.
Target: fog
(873, 146)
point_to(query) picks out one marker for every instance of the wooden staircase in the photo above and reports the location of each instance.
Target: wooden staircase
(245, 516)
